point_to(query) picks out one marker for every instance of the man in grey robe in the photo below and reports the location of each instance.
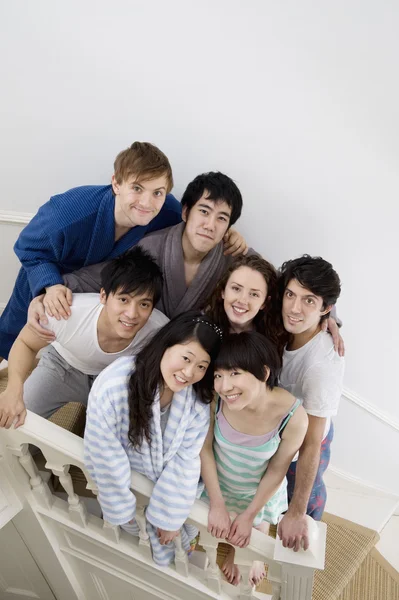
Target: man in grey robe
(190, 254)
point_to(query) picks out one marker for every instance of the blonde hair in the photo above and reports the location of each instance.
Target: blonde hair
(144, 161)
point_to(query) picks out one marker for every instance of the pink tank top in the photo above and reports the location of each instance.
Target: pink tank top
(246, 439)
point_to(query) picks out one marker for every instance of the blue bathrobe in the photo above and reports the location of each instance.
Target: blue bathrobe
(70, 231)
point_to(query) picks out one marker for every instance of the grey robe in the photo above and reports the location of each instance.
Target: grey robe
(165, 246)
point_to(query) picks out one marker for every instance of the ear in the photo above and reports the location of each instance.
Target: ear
(267, 370)
(222, 294)
(184, 214)
(265, 302)
(103, 297)
(326, 310)
(115, 185)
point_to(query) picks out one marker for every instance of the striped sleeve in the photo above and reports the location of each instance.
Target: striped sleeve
(106, 459)
(174, 493)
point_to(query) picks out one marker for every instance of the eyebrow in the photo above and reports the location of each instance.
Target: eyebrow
(141, 185)
(134, 296)
(304, 296)
(212, 208)
(252, 289)
(192, 354)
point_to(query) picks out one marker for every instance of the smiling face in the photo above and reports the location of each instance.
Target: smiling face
(183, 365)
(244, 296)
(138, 202)
(302, 309)
(206, 224)
(124, 314)
(237, 388)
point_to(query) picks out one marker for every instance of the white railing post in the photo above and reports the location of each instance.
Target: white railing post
(274, 576)
(144, 538)
(111, 532)
(38, 487)
(77, 510)
(297, 568)
(181, 558)
(210, 545)
(244, 564)
(297, 582)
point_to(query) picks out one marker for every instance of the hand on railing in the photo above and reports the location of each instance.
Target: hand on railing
(219, 521)
(12, 406)
(241, 530)
(293, 531)
(166, 536)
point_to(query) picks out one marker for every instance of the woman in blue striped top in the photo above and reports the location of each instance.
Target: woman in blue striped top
(256, 429)
(151, 414)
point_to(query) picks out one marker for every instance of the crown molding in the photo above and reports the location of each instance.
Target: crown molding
(14, 217)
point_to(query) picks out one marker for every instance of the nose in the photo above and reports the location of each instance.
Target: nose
(296, 305)
(131, 311)
(243, 297)
(210, 223)
(226, 385)
(145, 199)
(188, 370)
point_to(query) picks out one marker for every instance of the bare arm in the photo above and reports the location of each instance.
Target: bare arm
(293, 527)
(218, 518)
(20, 363)
(291, 440)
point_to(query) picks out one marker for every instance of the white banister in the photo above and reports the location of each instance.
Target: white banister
(291, 574)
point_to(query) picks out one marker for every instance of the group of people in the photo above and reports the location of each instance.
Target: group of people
(201, 366)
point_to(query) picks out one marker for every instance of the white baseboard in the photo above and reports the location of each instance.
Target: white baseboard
(362, 482)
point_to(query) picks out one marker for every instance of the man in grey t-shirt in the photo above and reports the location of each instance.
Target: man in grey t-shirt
(312, 371)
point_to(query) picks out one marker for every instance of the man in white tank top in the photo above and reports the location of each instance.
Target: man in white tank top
(312, 371)
(102, 327)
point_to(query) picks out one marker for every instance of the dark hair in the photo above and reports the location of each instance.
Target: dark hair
(147, 377)
(314, 274)
(145, 161)
(219, 188)
(134, 272)
(266, 321)
(253, 352)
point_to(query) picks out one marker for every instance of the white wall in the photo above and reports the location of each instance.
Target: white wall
(297, 101)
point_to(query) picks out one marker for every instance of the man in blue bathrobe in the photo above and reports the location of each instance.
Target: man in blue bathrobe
(87, 225)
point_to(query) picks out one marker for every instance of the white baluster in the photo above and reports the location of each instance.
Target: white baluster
(111, 532)
(210, 545)
(181, 558)
(274, 576)
(244, 564)
(276, 588)
(144, 540)
(246, 590)
(39, 488)
(77, 509)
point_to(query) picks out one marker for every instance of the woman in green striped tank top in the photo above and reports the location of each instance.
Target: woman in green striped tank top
(256, 429)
